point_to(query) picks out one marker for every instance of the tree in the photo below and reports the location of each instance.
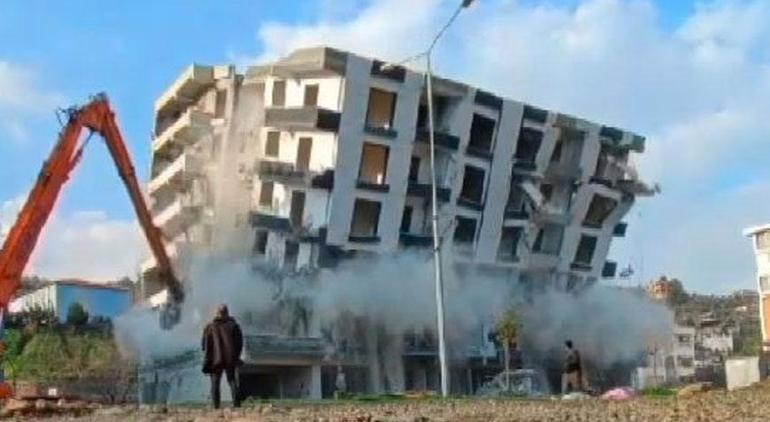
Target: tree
(507, 332)
(77, 316)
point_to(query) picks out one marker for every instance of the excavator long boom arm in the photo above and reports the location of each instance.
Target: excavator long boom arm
(98, 117)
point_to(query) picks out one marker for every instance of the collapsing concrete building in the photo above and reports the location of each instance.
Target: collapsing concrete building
(325, 156)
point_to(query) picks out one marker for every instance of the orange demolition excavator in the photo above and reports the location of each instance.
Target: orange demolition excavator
(98, 117)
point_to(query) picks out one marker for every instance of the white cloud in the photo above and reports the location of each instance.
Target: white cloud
(84, 244)
(701, 93)
(22, 97)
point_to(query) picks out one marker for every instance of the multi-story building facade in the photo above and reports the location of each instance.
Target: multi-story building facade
(330, 154)
(760, 237)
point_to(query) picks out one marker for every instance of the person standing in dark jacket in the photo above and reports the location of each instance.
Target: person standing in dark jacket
(572, 377)
(222, 344)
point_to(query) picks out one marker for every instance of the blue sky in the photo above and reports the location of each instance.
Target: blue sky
(656, 67)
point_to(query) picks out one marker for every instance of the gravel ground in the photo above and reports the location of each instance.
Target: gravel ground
(751, 404)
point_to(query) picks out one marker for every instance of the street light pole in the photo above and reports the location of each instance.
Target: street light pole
(438, 281)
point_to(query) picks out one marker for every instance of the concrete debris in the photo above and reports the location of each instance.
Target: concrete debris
(694, 389)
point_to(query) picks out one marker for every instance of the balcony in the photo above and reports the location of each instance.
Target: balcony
(516, 214)
(551, 214)
(302, 118)
(423, 190)
(177, 216)
(543, 261)
(189, 86)
(470, 204)
(369, 239)
(178, 173)
(374, 187)
(416, 240)
(478, 153)
(442, 139)
(270, 222)
(185, 130)
(380, 131)
(580, 266)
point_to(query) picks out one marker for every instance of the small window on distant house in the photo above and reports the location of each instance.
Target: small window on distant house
(311, 95)
(279, 93)
(272, 144)
(266, 194)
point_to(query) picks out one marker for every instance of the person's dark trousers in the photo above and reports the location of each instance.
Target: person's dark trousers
(232, 379)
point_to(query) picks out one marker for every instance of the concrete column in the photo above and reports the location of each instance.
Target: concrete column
(315, 382)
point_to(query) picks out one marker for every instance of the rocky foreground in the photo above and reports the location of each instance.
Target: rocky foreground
(752, 404)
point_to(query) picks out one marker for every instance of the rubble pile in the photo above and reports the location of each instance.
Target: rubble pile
(697, 405)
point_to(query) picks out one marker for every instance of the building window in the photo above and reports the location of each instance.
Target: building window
(763, 240)
(382, 107)
(406, 220)
(528, 145)
(311, 95)
(414, 169)
(366, 218)
(296, 214)
(272, 144)
(473, 184)
(684, 362)
(546, 189)
(260, 242)
(266, 194)
(548, 240)
(515, 198)
(303, 153)
(374, 164)
(509, 244)
(600, 208)
(585, 250)
(279, 93)
(465, 230)
(290, 255)
(221, 103)
(482, 134)
(683, 339)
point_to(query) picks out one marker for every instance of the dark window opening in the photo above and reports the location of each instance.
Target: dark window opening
(509, 243)
(516, 199)
(272, 144)
(482, 134)
(441, 107)
(473, 184)
(266, 194)
(311, 95)
(296, 214)
(221, 103)
(549, 239)
(528, 145)
(414, 169)
(303, 153)
(260, 242)
(406, 220)
(279, 93)
(546, 189)
(585, 250)
(374, 164)
(366, 218)
(598, 211)
(382, 107)
(291, 254)
(465, 230)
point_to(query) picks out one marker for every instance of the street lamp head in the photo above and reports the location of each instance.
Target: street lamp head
(467, 3)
